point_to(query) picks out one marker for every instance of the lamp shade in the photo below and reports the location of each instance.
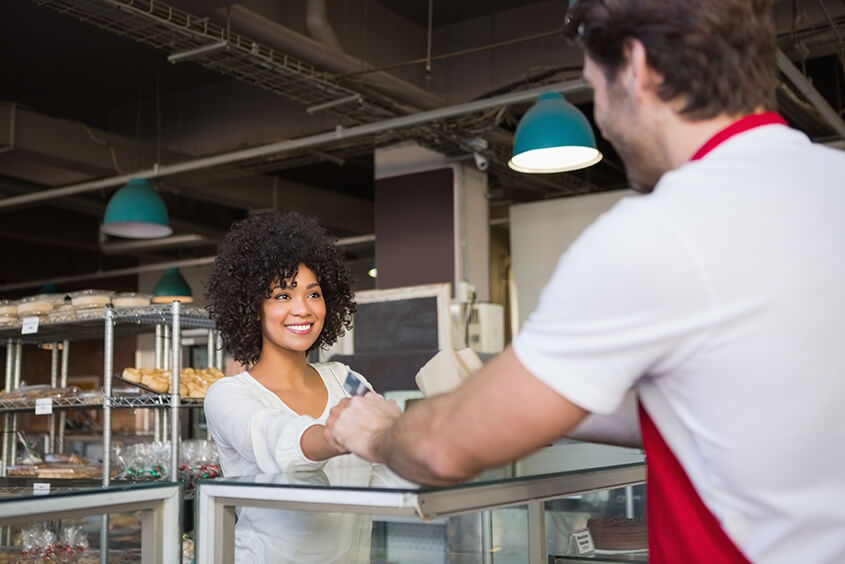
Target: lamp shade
(136, 212)
(553, 136)
(172, 287)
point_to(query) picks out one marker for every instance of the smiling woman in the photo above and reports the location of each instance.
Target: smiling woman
(278, 289)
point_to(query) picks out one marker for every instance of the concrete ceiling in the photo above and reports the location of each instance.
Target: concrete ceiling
(93, 99)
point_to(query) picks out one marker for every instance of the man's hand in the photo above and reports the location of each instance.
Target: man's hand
(361, 424)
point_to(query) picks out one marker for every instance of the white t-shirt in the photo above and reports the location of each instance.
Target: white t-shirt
(721, 298)
(255, 433)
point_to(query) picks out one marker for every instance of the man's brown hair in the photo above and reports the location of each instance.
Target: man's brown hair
(719, 56)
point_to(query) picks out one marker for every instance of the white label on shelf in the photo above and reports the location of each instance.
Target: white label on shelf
(43, 406)
(29, 325)
(583, 541)
(40, 488)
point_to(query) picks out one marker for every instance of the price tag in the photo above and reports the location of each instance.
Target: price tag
(43, 406)
(29, 325)
(583, 541)
(40, 488)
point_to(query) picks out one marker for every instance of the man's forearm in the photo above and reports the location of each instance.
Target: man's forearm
(410, 449)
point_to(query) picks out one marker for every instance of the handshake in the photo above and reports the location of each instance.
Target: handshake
(360, 423)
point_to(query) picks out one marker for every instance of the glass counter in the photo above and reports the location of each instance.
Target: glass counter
(158, 504)
(377, 491)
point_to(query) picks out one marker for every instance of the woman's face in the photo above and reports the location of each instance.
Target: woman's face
(293, 317)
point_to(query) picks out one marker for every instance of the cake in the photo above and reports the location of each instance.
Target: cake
(618, 533)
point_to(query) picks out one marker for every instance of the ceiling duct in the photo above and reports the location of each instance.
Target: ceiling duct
(317, 22)
(286, 40)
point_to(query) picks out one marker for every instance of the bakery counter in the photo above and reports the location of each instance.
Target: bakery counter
(377, 491)
(159, 505)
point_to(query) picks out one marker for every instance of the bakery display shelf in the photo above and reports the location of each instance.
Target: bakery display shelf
(64, 402)
(89, 323)
(150, 399)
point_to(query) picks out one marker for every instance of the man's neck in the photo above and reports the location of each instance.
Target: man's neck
(680, 139)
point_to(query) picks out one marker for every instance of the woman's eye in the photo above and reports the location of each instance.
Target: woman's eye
(315, 295)
(282, 297)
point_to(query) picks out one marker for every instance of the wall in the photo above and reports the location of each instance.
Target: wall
(540, 233)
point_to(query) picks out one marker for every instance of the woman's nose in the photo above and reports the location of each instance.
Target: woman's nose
(300, 307)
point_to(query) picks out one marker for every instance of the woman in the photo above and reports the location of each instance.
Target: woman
(278, 289)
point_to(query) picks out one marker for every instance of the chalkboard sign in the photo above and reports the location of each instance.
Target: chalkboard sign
(409, 324)
(395, 332)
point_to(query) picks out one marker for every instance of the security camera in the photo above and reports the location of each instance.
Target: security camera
(481, 162)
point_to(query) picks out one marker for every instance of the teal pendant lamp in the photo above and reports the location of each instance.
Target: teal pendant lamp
(136, 212)
(553, 136)
(172, 287)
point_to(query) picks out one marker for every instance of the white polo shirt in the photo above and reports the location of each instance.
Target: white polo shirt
(721, 298)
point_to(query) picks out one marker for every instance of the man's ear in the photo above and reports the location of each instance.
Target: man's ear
(642, 79)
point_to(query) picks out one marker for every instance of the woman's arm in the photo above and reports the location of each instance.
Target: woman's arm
(316, 445)
(273, 439)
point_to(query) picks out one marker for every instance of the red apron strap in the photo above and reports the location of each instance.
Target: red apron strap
(680, 527)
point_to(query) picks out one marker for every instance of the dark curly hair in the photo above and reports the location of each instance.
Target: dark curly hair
(260, 250)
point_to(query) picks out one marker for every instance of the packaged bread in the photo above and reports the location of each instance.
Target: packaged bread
(39, 304)
(130, 299)
(8, 308)
(90, 298)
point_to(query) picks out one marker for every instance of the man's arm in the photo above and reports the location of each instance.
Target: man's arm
(500, 414)
(620, 428)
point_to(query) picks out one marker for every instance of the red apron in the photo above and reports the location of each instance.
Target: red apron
(681, 529)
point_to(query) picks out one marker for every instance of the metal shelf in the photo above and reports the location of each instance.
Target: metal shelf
(141, 401)
(90, 324)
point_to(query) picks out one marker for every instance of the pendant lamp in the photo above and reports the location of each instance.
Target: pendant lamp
(553, 136)
(172, 287)
(136, 211)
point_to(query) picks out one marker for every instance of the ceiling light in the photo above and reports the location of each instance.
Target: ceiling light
(372, 273)
(172, 287)
(553, 136)
(136, 211)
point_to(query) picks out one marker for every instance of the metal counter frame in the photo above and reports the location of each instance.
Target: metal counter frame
(160, 505)
(217, 502)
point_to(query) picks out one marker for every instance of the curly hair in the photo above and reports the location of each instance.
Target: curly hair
(266, 248)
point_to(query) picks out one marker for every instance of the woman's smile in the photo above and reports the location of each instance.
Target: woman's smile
(300, 328)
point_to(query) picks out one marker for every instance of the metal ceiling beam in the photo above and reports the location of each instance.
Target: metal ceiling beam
(795, 76)
(308, 142)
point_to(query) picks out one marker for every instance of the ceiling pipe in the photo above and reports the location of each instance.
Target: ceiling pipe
(317, 22)
(184, 263)
(180, 241)
(338, 134)
(116, 273)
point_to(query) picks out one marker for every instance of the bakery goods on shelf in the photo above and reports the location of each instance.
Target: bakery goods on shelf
(618, 533)
(193, 383)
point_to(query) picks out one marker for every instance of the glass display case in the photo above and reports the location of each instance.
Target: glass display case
(455, 524)
(157, 504)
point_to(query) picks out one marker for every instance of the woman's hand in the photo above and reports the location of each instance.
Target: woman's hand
(361, 424)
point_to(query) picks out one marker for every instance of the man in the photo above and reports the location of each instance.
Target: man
(718, 297)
